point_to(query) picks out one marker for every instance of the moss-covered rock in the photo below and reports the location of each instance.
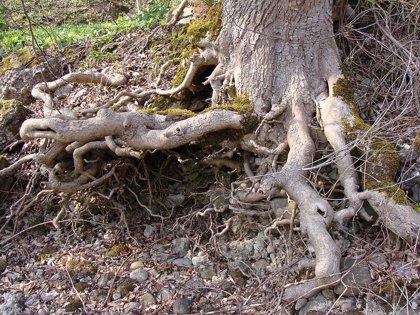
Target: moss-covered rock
(78, 268)
(3, 264)
(126, 285)
(24, 57)
(12, 114)
(116, 250)
(73, 305)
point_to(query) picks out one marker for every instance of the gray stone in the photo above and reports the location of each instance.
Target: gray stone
(260, 267)
(136, 265)
(182, 262)
(149, 231)
(277, 203)
(18, 83)
(131, 307)
(182, 306)
(180, 246)
(48, 296)
(12, 114)
(358, 277)
(175, 199)
(199, 260)
(300, 303)
(207, 272)
(42, 312)
(63, 92)
(165, 295)
(104, 279)
(139, 275)
(346, 304)
(148, 299)
(13, 304)
(317, 304)
(328, 294)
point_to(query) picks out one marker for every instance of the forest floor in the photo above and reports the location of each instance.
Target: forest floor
(145, 244)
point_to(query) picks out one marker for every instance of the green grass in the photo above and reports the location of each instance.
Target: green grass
(100, 33)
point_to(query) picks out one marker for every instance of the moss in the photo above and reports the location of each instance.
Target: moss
(184, 113)
(23, 57)
(48, 250)
(126, 286)
(3, 264)
(81, 286)
(6, 106)
(116, 250)
(183, 43)
(416, 143)
(73, 306)
(383, 160)
(80, 268)
(381, 168)
(240, 104)
(179, 75)
(39, 230)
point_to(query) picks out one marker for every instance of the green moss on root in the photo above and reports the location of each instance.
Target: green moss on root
(240, 104)
(383, 160)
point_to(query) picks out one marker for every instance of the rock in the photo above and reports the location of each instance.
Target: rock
(12, 114)
(318, 305)
(104, 279)
(175, 200)
(277, 203)
(180, 246)
(42, 312)
(328, 294)
(49, 296)
(149, 231)
(182, 306)
(148, 300)
(63, 92)
(206, 271)
(165, 295)
(300, 303)
(260, 266)
(20, 71)
(131, 307)
(136, 265)
(139, 275)
(357, 278)
(13, 304)
(199, 260)
(182, 262)
(346, 304)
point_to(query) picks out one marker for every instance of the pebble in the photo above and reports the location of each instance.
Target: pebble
(104, 279)
(182, 306)
(148, 299)
(131, 307)
(180, 246)
(49, 296)
(165, 295)
(136, 265)
(149, 231)
(139, 275)
(182, 262)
